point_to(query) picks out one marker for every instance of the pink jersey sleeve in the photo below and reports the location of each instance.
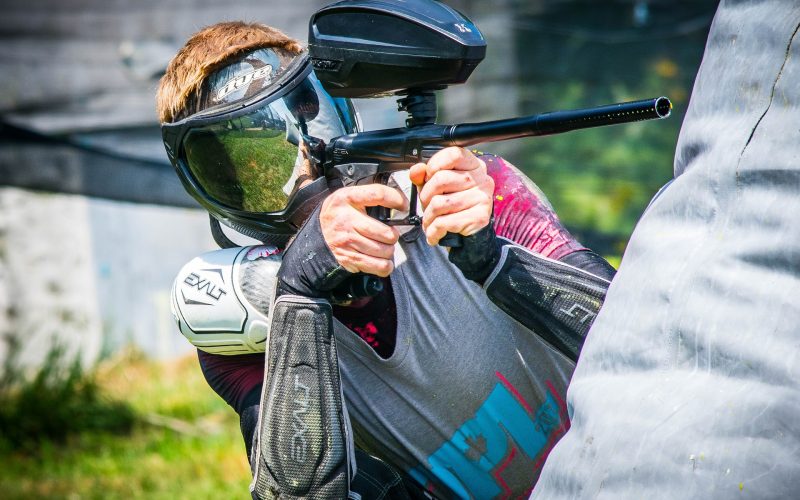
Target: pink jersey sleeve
(233, 377)
(523, 215)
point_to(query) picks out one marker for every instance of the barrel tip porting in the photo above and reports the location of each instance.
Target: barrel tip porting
(663, 107)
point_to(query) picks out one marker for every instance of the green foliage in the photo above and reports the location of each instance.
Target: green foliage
(58, 401)
(600, 180)
(192, 450)
(264, 164)
(573, 55)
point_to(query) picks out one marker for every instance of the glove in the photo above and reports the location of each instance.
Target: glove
(309, 268)
(478, 254)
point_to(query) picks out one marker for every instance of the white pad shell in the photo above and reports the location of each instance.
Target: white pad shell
(211, 306)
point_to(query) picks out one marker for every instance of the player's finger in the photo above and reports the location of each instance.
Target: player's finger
(372, 228)
(376, 195)
(358, 262)
(452, 158)
(417, 174)
(373, 248)
(445, 182)
(445, 204)
(465, 223)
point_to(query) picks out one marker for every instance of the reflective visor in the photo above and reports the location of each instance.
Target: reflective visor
(249, 157)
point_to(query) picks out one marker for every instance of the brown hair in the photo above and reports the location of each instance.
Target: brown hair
(206, 51)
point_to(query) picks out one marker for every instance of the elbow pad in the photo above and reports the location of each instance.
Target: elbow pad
(303, 441)
(221, 300)
(556, 301)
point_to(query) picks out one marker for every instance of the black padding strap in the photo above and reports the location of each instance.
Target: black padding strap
(555, 300)
(591, 263)
(303, 446)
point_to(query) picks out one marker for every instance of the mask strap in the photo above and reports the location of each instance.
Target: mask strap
(219, 236)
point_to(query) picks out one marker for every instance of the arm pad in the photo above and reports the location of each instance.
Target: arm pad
(555, 300)
(221, 299)
(304, 445)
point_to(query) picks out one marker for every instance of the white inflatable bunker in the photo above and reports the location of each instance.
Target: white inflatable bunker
(689, 383)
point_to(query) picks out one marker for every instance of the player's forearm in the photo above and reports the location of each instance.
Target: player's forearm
(546, 279)
(302, 442)
(555, 300)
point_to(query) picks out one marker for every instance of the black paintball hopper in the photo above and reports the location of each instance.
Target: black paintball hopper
(371, 48)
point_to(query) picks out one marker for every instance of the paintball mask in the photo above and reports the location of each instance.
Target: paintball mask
(243, 154)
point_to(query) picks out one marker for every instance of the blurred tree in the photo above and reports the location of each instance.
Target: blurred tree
(577, 53)
(582, 53)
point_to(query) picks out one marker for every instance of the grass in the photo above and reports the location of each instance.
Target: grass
(185, 443)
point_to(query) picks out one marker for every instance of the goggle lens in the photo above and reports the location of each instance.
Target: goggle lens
(251, 162)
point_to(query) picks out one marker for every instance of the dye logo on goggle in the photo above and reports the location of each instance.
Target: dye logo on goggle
(242, 81)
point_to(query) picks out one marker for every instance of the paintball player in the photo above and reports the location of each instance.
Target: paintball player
(451, 380)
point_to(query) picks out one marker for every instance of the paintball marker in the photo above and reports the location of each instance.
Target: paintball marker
(376, 48)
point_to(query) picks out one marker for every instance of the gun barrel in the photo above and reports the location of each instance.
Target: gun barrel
(469, 134)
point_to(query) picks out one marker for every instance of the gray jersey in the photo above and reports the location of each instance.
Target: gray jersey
(470, 402)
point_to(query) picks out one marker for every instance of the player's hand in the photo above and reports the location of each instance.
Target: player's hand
(456, 193)
(359, 242)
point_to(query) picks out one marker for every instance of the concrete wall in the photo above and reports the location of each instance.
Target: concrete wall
(90, 274)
